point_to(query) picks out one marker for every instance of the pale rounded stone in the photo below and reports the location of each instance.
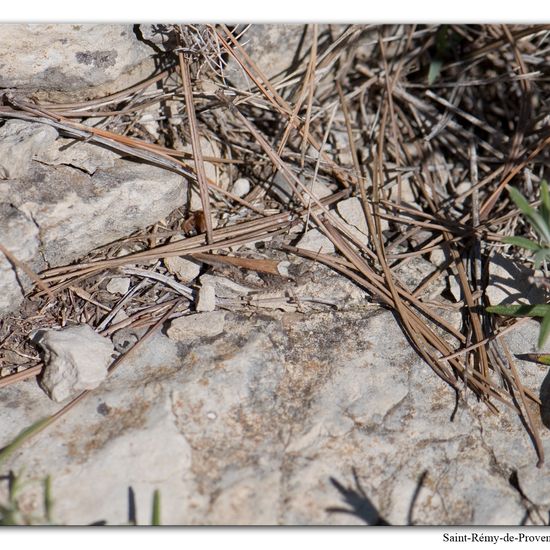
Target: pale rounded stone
(119, 285)
(199, 325)
(76, 359)
(185, 270)
(241, 187)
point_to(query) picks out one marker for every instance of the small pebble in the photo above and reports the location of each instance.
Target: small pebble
(206, 300)
(119, 285)
(241, 187)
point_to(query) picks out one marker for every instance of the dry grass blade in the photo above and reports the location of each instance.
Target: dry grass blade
(195, 143)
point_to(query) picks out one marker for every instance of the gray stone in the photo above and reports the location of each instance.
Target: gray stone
(67, 60)
(20, 142)
(85, 156)
(118, 285)
(352, 212)
(206, 300)
(315, 241)
(199, 325)
(241, 187)
(19, 235)
(185, 270)
(75, 358)
(75, 211)
(320, 419)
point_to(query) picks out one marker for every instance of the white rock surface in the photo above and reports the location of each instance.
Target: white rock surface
(185, 270)
(21, 142)
(119, 285)
(206, 300)
(199, 325)
(322, 419)
(241, 187)
(19, 235)
(315, 241)
(75, 358)
(224, 287)
(71, 60)
(351, 211)
(75, 211)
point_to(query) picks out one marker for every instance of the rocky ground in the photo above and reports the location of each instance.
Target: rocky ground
(275, 390)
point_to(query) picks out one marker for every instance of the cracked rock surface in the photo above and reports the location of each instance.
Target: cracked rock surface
(74, 60)
(59, 201)
(285, 418)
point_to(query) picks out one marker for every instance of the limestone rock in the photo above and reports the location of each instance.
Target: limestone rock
(352, 212)
(19, 235)
(119, 285)
(185, 270)
(305, 410)
(206, 300)
(20, 142)
(75, 211)
(199, 325)
(76, 359)
(67, 60)
(241, 187)
(315, 241)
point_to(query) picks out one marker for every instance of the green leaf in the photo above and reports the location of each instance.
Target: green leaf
(520, 310)
(544, 329)
(537, 221)
(540, 256)
(23, 436)
(155, 514)
(523, 243)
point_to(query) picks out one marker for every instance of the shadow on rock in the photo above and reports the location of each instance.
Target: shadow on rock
(359, 503)
(545, 400)
(361, 506)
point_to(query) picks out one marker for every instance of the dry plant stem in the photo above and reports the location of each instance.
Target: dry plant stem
(242, 233)
(196, 144)
(310, 79)
(278, 102)
(479, 386)
(528, 417)
(489, 203)
(20, 376)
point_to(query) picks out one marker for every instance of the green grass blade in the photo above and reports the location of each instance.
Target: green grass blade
(155, 514)
(544, 329)
(545, 198)
(48, 503)
(520, 310)
(22, 437)
(523, 243)
(537, 221)
(543, 358)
